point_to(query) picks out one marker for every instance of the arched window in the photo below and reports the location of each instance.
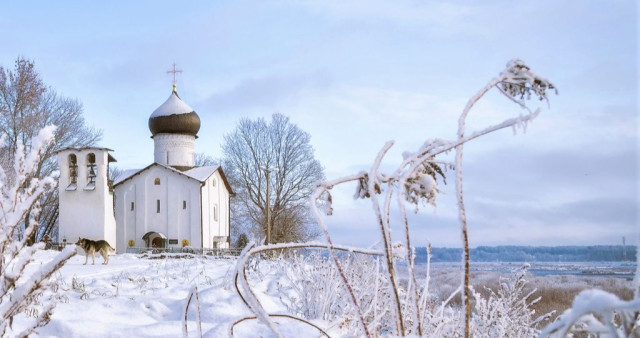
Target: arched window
(92, 169)
(73, 169)
(156, 181)
(213, 182)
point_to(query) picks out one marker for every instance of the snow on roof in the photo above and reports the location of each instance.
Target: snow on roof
(201, 173)
(109, 157)
(172, 106)
(125, 175)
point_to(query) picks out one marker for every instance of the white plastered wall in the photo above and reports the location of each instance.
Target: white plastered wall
(179, 216)
(215, 200)
(174, 149)
(85, 211)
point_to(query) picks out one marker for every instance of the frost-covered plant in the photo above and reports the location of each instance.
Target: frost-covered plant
(598, 313)
(20, 190)
(185, 312)
(78, 286)
(415, 181)
(507, 312)
(313, 290)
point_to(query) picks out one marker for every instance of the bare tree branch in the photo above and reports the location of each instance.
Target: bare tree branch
(28, 105)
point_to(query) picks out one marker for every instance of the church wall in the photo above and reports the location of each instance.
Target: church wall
(152, 219)
(125, 195)
(206, 216)
(174, 149)
(179, 206)
(224, 211)
(215, 214)
(183, 212)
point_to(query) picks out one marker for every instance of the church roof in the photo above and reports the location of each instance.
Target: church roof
(126, 174)
(174, 117)
(109, 157)
(199, 174)
(173, 105)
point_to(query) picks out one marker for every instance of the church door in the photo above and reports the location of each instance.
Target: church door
(157, 242)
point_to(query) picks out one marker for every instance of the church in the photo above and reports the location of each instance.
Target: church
(171, 203)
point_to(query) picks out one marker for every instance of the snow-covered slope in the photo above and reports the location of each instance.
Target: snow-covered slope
(141, 297)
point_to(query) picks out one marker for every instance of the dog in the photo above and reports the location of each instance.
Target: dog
(91, 247)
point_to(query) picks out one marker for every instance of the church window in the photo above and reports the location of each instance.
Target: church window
(92, 169)
(73, 168)
(184, 205)
(158, 206)
(156, 181)
(213, 182)
(73, 172)
(132, 206)
(215, 212)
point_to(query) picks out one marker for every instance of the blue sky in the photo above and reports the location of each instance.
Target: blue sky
(357, 74)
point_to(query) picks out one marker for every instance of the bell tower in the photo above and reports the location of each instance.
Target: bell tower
(85, 195)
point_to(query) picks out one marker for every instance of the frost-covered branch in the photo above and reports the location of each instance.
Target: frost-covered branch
(193, 295)
(20, 191)
(249, 297)
(278, 316)
(516, 79)
(415, 179)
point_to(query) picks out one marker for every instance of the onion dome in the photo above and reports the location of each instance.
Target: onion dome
(174, 117)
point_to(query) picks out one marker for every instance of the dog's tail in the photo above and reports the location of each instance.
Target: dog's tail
(110, 248)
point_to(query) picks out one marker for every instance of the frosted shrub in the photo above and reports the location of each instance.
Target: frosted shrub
(313, 290)
(20, 190)
(507, 312)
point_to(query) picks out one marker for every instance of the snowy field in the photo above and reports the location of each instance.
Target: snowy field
(624, 270)
(139, 297)
(135, 296)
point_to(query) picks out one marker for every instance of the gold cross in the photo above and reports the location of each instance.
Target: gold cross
(174, 71)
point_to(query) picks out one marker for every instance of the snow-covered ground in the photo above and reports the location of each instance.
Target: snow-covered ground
(136, 296)
(141, 297)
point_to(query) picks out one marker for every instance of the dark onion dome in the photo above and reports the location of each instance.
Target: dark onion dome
(174, 117)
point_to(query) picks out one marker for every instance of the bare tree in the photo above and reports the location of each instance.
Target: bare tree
(276, 144)
(203, 160)
(28, 105)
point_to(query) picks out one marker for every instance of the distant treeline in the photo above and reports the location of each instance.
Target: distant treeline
(594, 253)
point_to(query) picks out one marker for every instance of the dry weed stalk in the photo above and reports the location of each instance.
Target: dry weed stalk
(193, 294)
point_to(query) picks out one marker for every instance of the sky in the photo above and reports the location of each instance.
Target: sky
(357, 74)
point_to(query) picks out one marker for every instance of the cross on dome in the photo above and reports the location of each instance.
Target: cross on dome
(174, 71)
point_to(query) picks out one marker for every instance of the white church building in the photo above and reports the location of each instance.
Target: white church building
(171, 203)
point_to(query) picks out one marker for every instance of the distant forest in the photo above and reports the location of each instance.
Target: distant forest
(594, 253)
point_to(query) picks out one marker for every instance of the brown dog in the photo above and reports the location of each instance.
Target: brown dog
(91, 247)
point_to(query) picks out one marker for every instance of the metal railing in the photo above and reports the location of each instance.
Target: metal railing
(55, 245)
(220, 252)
